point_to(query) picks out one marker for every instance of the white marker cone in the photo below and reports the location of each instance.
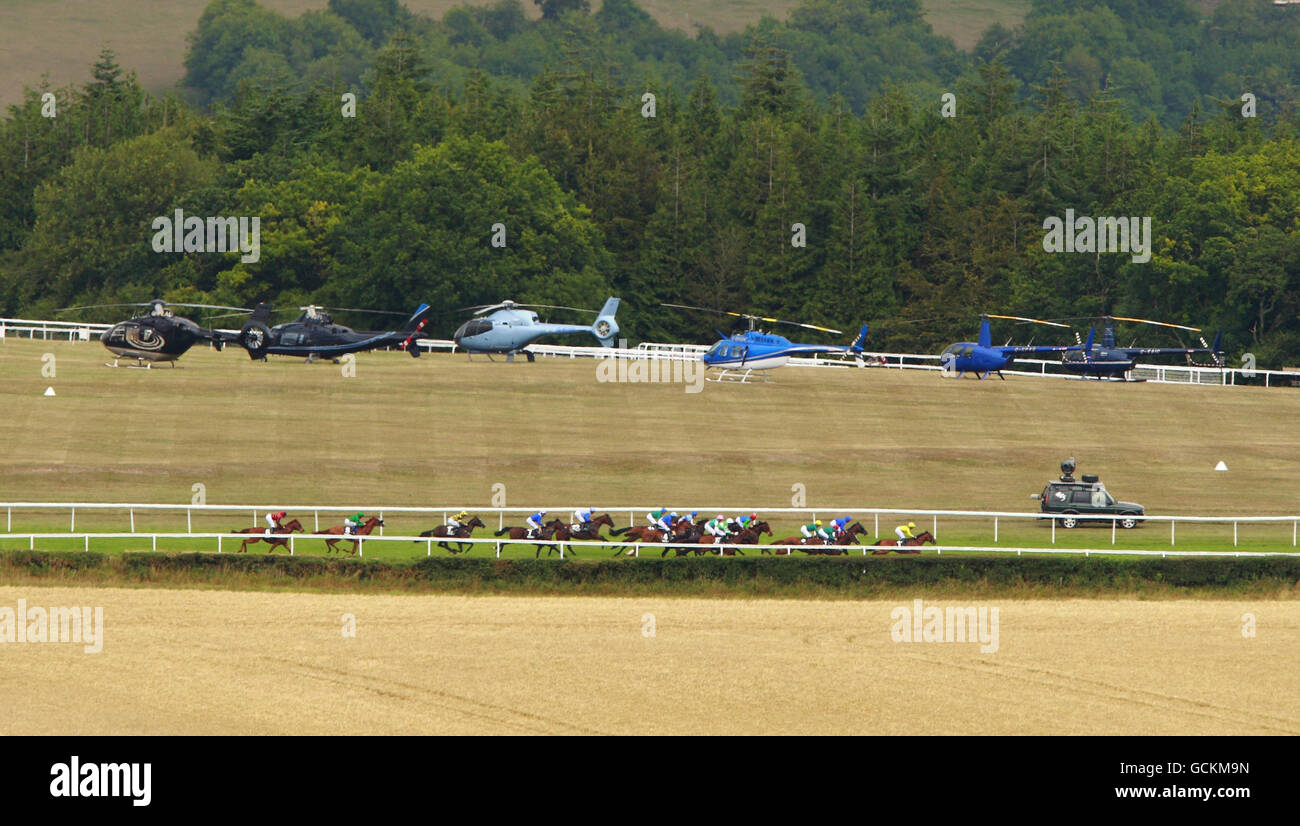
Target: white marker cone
(49, 391)
(1220, 466)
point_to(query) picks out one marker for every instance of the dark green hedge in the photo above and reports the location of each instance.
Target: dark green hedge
(749, 574)
(845, 573)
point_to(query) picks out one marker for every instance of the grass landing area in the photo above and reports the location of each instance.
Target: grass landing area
(835, 578)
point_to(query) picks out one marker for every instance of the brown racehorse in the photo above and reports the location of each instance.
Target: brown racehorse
(592, 531)
(806, 541)
(746, 536)
(885, 545)
(547, 532)
(341, 531)
(461, 532)
(259, 535)
(641, 533)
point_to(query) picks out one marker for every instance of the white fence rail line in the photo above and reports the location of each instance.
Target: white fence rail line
(850, 550)
(635, 513)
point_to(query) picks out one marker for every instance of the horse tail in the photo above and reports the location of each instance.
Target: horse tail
(502, 532)
(620, 531)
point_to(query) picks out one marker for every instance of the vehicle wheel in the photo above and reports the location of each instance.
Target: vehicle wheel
(1128, 522)
(1069, 522)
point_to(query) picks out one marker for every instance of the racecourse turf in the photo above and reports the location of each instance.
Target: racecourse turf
(442, 430)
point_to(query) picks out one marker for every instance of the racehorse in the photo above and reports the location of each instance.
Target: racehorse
(548, 531)
(920, 539)
(745, 536)
(342, 531)
(806, 541)
(260, 535)
(641, 533)
(592, 531)
(459, 532)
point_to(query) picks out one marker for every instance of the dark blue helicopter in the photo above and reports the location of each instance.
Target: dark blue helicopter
(510, 329)
(754, 349)
(314, 335)
(1106, 361)
(982, 357)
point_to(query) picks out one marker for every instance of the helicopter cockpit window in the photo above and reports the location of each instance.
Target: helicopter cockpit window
(967, 350)
(290, 339)
(718, 349)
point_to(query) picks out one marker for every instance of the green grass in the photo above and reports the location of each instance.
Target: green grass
(63, 37)
(442, 431)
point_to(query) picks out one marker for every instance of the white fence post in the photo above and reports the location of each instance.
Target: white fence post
(132, 520)
(189, 521)
(290, 544)
(995, 529)
(1234, 534)
(1171, 531)
(1112, 530)
(73, 525)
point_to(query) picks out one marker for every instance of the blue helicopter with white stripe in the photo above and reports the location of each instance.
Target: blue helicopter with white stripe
(739, 355)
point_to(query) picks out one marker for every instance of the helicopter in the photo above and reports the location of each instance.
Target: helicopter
(510, 329)
(1108, 361)
(156, 336)
(755, 350)
(982, 358)
(314, 334)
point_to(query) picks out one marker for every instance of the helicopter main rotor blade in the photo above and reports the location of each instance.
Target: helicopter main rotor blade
(701, 309)
(753, 317)
(1157, 323)
(1030, 320)
(558, 307)
(791, 323)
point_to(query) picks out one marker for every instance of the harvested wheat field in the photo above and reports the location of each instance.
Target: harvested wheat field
(217, 662)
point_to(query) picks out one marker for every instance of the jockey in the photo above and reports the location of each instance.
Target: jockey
(657, 519)
(458, 521)
(904, 532)
(582, 519)
(691, 518)
(534, 524)
(273, 522)
(838, 525)
(717, 527)
(352, 523)
(814, 528)
(668, 524)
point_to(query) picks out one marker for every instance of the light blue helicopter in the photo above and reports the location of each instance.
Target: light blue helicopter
(509, 329)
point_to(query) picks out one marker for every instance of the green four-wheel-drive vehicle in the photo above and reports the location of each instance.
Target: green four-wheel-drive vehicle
(1071, 501)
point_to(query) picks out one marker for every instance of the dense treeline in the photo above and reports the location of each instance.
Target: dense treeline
(830, 120)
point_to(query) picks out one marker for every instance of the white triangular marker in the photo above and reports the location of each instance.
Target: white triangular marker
(49, 391)
(1220, 466)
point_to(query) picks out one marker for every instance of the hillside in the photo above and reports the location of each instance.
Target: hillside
(62, 37)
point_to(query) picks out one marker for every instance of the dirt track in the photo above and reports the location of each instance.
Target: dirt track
(204, 662)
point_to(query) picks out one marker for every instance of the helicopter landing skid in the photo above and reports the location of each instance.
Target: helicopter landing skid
(140, 364)
(740, 377)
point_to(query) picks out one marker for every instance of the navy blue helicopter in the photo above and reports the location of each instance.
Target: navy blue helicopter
(982, 357)
(509, 330)
(157, 336)
(1107, 361)
(314, 335)
(739, 355)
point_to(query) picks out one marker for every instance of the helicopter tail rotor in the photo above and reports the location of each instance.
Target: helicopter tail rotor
(606, 327)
